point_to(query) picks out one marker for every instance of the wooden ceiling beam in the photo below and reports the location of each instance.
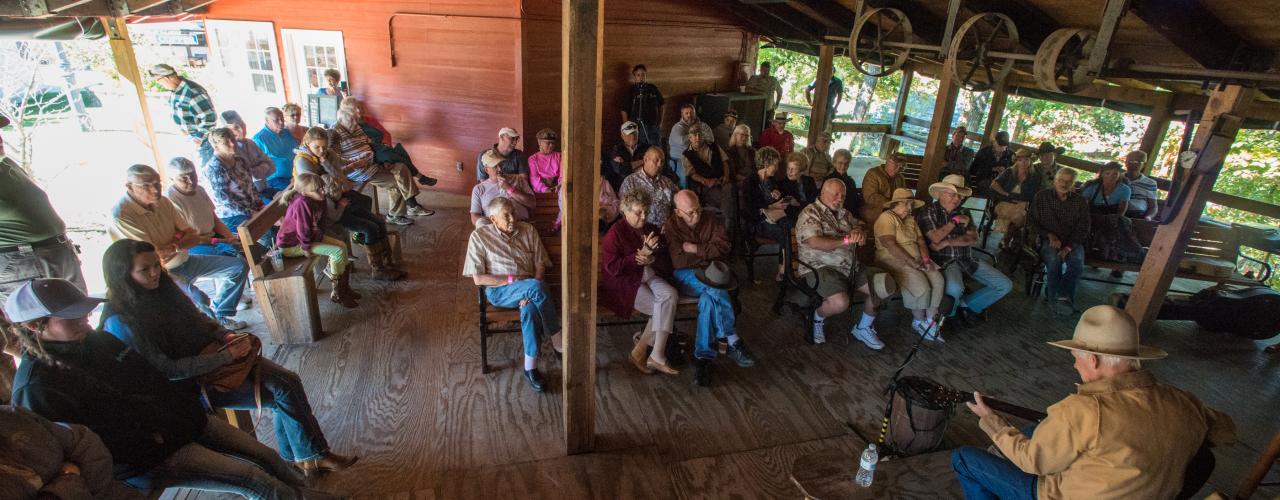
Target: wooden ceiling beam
(757, 22)
(1194, 29)
(786, 17)
(1034, 25)
(819, 11)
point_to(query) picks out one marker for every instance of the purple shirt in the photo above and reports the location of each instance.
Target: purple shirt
(302, 223)
(544, 166)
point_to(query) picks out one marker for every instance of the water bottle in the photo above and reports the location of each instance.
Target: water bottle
(277, 259)
(867, 466)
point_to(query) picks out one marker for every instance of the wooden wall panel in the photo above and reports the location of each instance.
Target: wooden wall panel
(689, 47)
(456, 83)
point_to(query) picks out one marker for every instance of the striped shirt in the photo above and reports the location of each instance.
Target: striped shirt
(192, 109)
(490, 251)
(353, 145)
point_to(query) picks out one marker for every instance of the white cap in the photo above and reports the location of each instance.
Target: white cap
(509, 132)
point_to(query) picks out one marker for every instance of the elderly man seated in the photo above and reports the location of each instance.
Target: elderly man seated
(1121, 435)
(500, 185)
(278, 143)
(827, 235)
(144, 215)
(514, 160)
(660, 188)
(196, 208)
(951, 236)
(698, 247)
(1061, 217)
(507, 257)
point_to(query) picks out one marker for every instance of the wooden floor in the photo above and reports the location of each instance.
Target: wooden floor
(397, 381)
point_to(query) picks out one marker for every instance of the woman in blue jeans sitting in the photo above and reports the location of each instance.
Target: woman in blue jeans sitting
(150, 314)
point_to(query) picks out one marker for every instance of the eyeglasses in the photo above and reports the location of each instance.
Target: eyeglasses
(152, 184)
(690, 212)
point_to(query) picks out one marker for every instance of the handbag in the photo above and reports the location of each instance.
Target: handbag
(232, 375)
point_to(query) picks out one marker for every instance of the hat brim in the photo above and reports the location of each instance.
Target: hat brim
(776, 119)
(1144, 351)
(883, 285)
(939, 186)
(702, 276)
(79, 309)
(915, 203)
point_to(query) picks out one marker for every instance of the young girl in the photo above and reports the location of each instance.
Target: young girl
(302, 233)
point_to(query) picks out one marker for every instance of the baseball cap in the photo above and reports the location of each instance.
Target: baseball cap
(732, 112)
(160, 70)
(48, 297)
(231, 116)
(630, 128)
(509, 132)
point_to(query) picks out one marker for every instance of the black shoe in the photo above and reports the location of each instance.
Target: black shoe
(535, 379)
(702, 372)
(427, 181)
(968, 318)
(738, 353)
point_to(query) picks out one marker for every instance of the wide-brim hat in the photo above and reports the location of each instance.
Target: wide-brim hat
(1023, 153)
(953, 183)
(1047, 147)
(903, 195)
(782, 117)
(883, 285)
(162, 70)
(717, 275)
(1109, 331)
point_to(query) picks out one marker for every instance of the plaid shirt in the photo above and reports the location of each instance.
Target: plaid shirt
(934, 216)
(491, 251)
(192, 109)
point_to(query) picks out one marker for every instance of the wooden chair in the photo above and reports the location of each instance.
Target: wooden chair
(286, 296)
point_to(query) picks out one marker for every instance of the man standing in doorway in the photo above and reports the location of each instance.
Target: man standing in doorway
(835, 93)
(644, 105)
(765, 83)
(191, 108)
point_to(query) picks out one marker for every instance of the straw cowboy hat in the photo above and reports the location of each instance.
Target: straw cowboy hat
(1023, 153)
(883, 285)
(903, 195)
(717, 275)
(1109, 331)
(782, 116)
(953, 183)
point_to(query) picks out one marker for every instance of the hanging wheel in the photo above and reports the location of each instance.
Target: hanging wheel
(875, 43)
(1061, 60)
(974, 68)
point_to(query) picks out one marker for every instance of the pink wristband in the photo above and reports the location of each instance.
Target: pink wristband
(846, 240)
(511, 279)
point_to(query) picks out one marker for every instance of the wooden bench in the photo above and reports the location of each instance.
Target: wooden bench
(495, 319)
(1207, 243)
(286, 296)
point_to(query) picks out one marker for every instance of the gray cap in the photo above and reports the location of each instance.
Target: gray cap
(161, 70)
(48, 297)
(630, 128)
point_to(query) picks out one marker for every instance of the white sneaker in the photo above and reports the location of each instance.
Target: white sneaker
(933, 332)
(819, 334)
(919, 327)
(868, 336)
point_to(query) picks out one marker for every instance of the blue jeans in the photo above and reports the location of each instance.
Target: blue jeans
(230, 275)
(233, 223)
(983, 475)
(994, 286)
(539, 314)
(225, 459)
(1060, 282)
(224, 249)
(298, 434)
(715, 312)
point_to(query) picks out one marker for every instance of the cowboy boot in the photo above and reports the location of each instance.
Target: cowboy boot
(639, 353)
(342, 291)
(377, 254)
(388, 260)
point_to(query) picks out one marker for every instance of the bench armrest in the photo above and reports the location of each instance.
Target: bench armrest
(1266, 267)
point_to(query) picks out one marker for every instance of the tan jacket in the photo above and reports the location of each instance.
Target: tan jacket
(877, 188)
(1122, 437)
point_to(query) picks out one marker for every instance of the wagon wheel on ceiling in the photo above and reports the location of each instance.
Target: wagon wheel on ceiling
(1060, 64)
(879, 42)
(975, 66)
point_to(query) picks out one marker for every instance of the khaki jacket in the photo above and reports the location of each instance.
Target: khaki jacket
(877, 188)
(1122, 437)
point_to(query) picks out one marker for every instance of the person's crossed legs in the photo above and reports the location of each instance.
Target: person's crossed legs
(984, 475)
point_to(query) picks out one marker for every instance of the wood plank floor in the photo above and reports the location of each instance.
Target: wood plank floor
(397, 381)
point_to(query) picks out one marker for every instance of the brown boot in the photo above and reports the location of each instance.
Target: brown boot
(377, 254)
(342, 291)
(639, 352)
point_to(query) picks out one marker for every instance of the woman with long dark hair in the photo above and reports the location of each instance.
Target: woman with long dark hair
(149, 313)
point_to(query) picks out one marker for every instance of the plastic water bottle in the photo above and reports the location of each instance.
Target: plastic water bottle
(277, 259)
(867, 466)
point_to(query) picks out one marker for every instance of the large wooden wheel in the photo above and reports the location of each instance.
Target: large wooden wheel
(879, 43)
(973, 64)
(1060, 64)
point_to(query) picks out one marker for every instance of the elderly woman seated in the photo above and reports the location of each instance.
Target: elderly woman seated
(1014, 189)
(636, 274)
(1061, 217)
(293, 120)
(230, 180)
(314, 156)
(901, 248)
(162, 438)
(840, 161)
(798, 189)
(1107, 195)
(360, 165)
(260, 164)
(332, 84)
(508, 259)
(544, 166)
(149, 314)
(765, 214)
(500, 185)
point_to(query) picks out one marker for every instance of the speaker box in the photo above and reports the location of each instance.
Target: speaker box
(750, 107)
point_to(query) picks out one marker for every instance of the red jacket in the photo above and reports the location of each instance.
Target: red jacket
(783, 142)
(619, 273)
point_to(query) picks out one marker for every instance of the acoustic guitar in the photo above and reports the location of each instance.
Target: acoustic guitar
(942, 395)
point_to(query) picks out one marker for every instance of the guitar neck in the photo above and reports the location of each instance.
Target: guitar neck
(1012, 409)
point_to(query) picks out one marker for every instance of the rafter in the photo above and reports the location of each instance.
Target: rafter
(1201, 35)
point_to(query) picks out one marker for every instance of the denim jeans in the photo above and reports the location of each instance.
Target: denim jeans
(369, 228)
(539, 316)
(229, 274)
(223, 249)
(1060, 282)
(225, 459)
(715, 312)
(53, 261)
(994, 286)
(298, 434)
(233, 223)
(983, 475)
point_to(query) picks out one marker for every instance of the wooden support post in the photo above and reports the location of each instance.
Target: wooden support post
(890, 144)
(1260, 469)
(818, 114)
(1221, 119)
(1157, 128)
(995, 114)
(582, 55)
(127, 64)
(939, 130)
